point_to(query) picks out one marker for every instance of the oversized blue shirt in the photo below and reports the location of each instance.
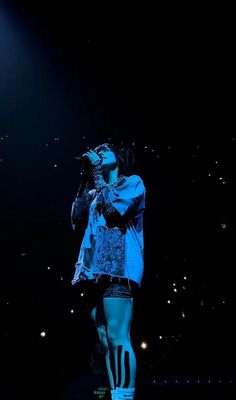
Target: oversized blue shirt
(113, 241)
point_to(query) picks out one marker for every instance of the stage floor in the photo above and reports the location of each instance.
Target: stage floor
(94, 388)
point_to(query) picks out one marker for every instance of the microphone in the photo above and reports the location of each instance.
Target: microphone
(84, 157)
(80, 158)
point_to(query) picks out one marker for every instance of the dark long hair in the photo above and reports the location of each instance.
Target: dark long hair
(125, 158)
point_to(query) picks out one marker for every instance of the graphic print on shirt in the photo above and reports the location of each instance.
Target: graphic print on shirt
(110, 251)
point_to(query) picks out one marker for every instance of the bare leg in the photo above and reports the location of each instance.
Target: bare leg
(97, 315)
(118, 313)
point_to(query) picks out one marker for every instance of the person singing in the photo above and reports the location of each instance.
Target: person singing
(108, 210)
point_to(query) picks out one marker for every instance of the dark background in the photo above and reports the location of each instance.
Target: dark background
(161, 81)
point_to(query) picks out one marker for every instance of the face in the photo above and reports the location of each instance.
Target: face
(108, 157)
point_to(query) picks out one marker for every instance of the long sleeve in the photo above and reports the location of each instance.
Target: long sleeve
(80, 210)
(99, 181)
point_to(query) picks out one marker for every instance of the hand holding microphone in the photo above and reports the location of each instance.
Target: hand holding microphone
(89, 158)
(90, 155)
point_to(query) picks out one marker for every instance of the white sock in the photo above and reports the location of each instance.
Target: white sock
(125, 393)
(113, 394)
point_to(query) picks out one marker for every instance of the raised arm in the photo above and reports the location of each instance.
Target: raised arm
(80, 207)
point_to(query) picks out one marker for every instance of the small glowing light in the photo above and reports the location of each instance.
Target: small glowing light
(55, 165)
(216, 162)
(224, 183)
(176, 381)
(185, 278)
(183, 314)
(62, 278)
(202, 303)
(42, 334)
(46, 144)
(2, 138)
(133, 144)
(145, 147)
(223, 226)
(48, 268)
(187, 381)
(168, 301)
(23, 254)
(82, 294)
(72, 311)
(7, 302)
(160, 337)
(220, 178)
(144, 345)
(174, 284)
(223, 302)
(175, 290)
(153, 150)
(184, 287)
(84, 137)
(56, 139)
(157, 156)
(209, 174)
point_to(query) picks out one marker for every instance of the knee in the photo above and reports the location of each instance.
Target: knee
(116, 334)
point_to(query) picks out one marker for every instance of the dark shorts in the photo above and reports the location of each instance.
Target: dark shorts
(93, 292)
